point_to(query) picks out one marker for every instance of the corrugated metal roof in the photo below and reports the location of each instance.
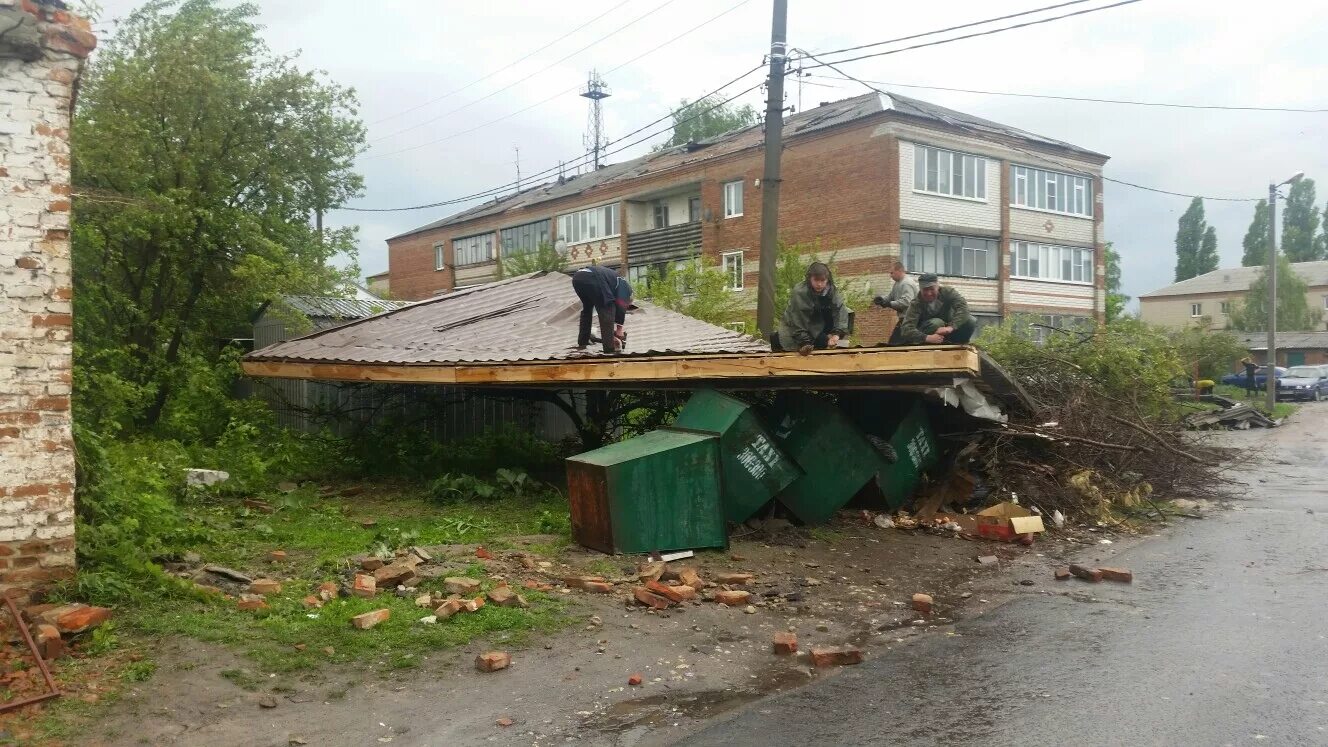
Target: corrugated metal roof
(1287, 340)
(529, 318)
(328, 307)
(1238, 279)
(827, 115)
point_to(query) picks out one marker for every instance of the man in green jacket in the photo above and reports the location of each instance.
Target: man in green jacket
(815, 316)
(937, 316)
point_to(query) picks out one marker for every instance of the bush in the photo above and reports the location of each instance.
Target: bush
(1207, 354)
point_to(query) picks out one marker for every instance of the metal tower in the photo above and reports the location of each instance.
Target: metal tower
(596, 90)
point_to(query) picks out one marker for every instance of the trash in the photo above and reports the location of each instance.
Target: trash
(1057, 519)
(1006, 521)
(680, 555)
(1104, 542)
(883, 521)
(429, 619)
(205, 476)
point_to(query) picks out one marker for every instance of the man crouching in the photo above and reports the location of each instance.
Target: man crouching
(938, 316)
(815, 317)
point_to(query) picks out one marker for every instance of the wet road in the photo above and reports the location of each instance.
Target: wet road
(1221, 640)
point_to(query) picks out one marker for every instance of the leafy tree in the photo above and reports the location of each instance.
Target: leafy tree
(1205, 353)
(707, 117)
(1208, 259)
(544, 258)
(1189, 240)
(203, 159)
(1256, 239)
(1115, 299)
(1300, 224)
(698, 289)
(1293, 311)
(792, 269)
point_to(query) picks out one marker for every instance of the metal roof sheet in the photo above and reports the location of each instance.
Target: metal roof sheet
(528, 318)
(1287, 340)
(1238, 279)
(328, 307)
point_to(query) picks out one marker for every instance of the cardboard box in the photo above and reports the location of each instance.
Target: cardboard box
(1006, 521)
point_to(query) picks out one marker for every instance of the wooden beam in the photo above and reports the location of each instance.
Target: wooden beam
(824, 367)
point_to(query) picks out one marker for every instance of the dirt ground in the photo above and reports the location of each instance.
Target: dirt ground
(852, 584)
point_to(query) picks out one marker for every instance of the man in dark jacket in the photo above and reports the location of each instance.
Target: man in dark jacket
(815, 317)
(604, 293)
(938, 316)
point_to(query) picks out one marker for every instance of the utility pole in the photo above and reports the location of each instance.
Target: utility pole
(1271, 383)
(517, 148)
(770, 180)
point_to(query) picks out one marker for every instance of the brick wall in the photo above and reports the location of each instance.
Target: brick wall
(41, 57)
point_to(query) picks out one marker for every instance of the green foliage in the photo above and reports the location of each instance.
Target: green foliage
(1207, 354)
(1208, 259)
(1256, 238)
(1300, 224)
(202, 159)
(1189, 240)
(792, 269)
(698, 289)
(1293, 311)
(543, 259)
(507, 484)
(706, 118)
(403, 450)
(1115, 299)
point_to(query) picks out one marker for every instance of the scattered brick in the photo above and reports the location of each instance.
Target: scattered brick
(75, 618)
(461, 585)
(473, 605)
(327, 591)
(594, 584)
(504, 722)
(393, 575)
(671, 593)
(251, 602)
(1092, 575)
(1062, 574)
(420, 553)
(505, 597)
(988, 560)
(527, 562)
(833, 656)
(734, 579)
(311, 602)
(48, 640)
(425, 600)
(690, 577)
(448, 608)
(1117, 574)
(786, 643)
(634, 680)
(732, 598)
(651, 599)
(922, 603)
(483, 554)
(277, 556)
(372, 564)
(364, 585)
(492, 661)
(650, 571)
(301, 646)
(537, 586)
(370, 619)
(265, 586)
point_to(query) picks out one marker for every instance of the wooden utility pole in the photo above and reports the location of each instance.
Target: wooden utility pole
(774, 146)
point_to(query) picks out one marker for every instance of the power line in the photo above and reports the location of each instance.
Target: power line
(559, 94)
(519, 81)
(1040, 156)
(1219, 107)
(508, 66)
(966, 36)
(503, 188)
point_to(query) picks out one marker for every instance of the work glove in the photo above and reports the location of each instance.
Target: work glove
(880, 301)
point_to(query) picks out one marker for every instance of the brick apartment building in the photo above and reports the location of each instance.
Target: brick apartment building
(1012, 219)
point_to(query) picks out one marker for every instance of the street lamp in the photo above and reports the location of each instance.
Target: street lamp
(1271, 383)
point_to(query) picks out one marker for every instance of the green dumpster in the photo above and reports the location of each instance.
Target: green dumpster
(755, 469)
(659, 491)
(835, 457)
(916, 449)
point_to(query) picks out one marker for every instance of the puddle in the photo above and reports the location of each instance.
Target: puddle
(662, 708)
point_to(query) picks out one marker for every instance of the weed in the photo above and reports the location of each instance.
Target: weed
(139, 671)
(242, 678)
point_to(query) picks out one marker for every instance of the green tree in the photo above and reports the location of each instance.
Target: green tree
(1205, 353)
(544, 258)
(1293, 311)
(1208, 259)
(1256, 239)
(1189, 240)
(1115, 299)
(204, 162)
(707, 117)
(1300, 224)
(698, 289)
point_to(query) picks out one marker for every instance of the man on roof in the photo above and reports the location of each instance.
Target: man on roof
(815, 317)
(603, 293)
(938, 316)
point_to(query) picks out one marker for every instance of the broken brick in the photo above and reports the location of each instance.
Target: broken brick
(422, 554)
(505, 597)
(448, 608)
(76, 618)
(594, 584)
(277, 556)
(461, 585)
(537, 586)
(737, 579)
(473, 605)
(327, 591)
(527, 562)
(922, 603)
(424, 601)
(370, 619)
(504, 722)
(1091, 575)
(690, 577)
(312, 602)
(671, 593)
(786, 643)
(48, 640)
(1062, 574)
(364, 585)
(393, 575)
(634, 680)
(251, 602)
(650, 571)
(732, 598)
(492, 661)
(265, 586)
(651, 599)
(372, 564)
(483, 554)
(1116, 574)
(988, 560)
(833, 656)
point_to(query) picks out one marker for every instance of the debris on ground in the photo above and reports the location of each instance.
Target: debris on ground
(1092, 575)
(785, 642)
(834, 656)
(922, 603)
(370, 619)
(492, 661)
(1232, 415)
(1117, 574)
(205, 477)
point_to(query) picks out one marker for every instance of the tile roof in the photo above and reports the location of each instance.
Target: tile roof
(527, 318)
(1238, 279)
(826, 115)
(1286, 340)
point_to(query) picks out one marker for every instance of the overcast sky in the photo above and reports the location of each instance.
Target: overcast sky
(402, 56)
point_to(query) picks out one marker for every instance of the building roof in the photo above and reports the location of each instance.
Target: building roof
(527, 318)
(1286, 340)
(822, 117)
(328, 307)
(1238, 279)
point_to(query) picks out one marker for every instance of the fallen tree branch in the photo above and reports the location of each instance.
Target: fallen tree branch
(1155, 438)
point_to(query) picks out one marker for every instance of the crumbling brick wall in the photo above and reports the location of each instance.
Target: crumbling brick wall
(42, 51)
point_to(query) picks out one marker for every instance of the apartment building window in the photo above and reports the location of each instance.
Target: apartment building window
(473, 250)
(644, 277)
(661, 214)
(1051, 190)
(589, 225)
(1196, 309)
(1226, 307)
(693, 209)
(733, 199)
(524, 238)
(943, 254)
(1325, 303)
(1068, 264)
(945, 172)
(439, 261)
(732, 264)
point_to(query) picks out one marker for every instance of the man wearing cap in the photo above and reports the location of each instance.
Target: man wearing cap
(938, 316)
(901, 295)
(603, 293)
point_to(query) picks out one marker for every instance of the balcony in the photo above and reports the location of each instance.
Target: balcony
(658, 244)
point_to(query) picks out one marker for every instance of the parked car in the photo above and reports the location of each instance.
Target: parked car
(1303, 382)
(1260, 377)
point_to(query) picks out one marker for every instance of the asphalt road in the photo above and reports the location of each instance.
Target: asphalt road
(1221, 640)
